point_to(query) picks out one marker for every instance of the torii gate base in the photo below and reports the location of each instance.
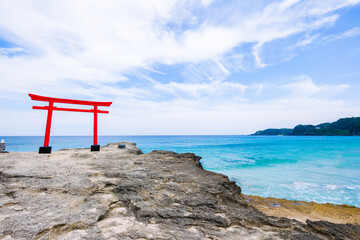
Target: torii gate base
(50, 108)
(45, 149)
(95, 148)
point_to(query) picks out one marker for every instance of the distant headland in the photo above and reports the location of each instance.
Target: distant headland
(342, 127)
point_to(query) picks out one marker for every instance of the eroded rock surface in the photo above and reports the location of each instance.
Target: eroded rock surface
(120, 193)
(303, 211)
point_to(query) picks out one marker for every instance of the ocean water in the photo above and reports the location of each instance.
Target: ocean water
(319, 169)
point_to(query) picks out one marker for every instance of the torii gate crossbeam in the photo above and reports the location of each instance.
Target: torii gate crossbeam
(50, 108)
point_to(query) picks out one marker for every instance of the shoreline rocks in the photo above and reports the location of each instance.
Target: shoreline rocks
(120, 193)
(302, 211)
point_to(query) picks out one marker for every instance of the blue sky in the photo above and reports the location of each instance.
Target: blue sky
(180, 67)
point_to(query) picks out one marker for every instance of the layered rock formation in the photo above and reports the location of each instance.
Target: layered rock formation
(303, 211)
(120, 193)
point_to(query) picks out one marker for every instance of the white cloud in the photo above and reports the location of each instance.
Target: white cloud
(319, 7)
(108, 49)
(305, 87)
(256, 52)
(206, 2)
(98, 41)
(197, 90)
(306, 41)
(212, 108)
(10, 51)
(349, 33)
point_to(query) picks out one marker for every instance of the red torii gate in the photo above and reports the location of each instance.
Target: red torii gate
(50, 108)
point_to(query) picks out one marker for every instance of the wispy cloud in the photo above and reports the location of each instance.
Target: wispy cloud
(349, 33)
(98, 42)
(111, 49)
(9, 52)
(305, 87)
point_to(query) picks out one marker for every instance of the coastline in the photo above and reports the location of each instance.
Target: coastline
(302, 210)
(338, 184)
(123, 193)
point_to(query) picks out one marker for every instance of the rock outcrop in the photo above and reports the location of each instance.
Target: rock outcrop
(120, 193)
(303, 211)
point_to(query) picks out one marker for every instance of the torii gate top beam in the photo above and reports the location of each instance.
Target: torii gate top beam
(69, 101)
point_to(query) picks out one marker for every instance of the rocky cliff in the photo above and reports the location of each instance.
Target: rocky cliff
(120, 193)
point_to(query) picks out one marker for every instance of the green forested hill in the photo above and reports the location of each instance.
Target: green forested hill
(342, 127)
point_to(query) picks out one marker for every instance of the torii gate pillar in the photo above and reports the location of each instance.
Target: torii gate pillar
(50, 108)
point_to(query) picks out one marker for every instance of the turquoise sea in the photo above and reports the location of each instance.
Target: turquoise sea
(319, 169)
